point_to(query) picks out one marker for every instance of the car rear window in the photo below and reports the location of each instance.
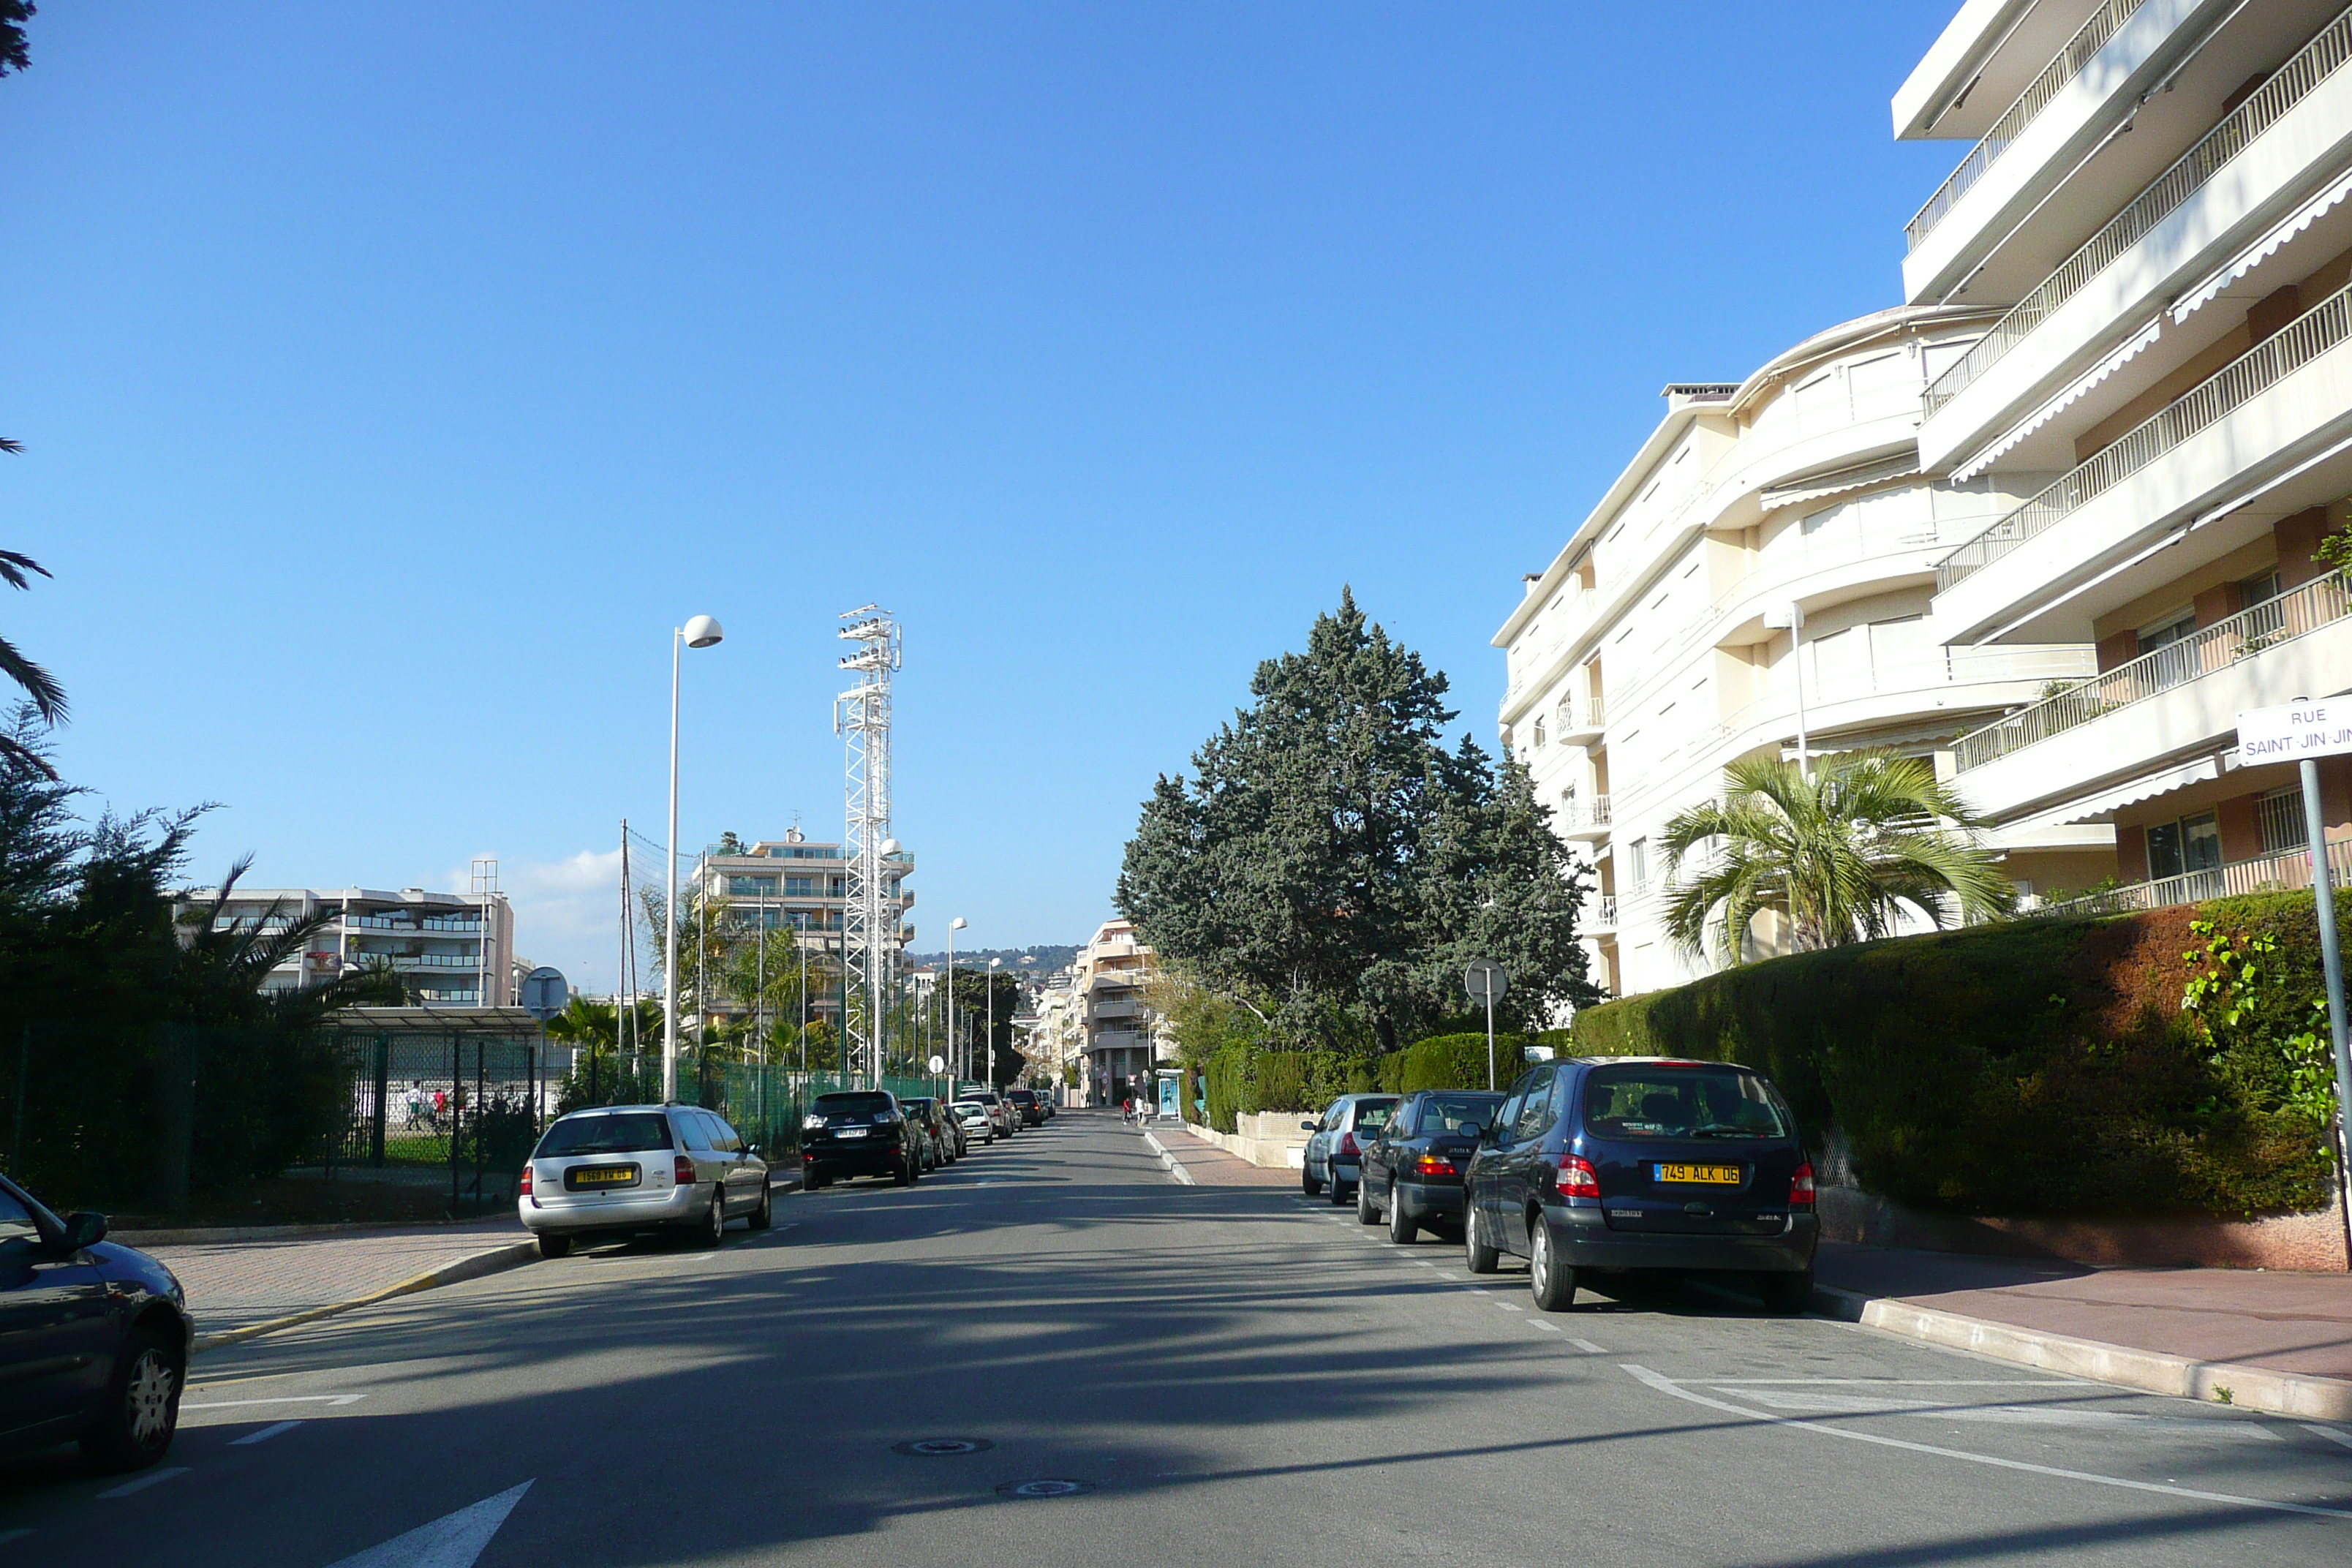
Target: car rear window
(1698, 1101)
(620, 1132)
(1374, 1112)
(1454, 1112)
(863, 1104)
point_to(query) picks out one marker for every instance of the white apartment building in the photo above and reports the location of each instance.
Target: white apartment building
(2154, 211)
(1658, 646)
(1120, 1030)
(453, 949)
(800, 884)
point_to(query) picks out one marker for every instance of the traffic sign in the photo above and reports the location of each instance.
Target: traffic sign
(1485, 982)
(545, 993)
(2295, 730)
(938, 1065)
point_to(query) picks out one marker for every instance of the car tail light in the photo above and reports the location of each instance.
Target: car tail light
(1801, 1186)
(682, 1172)
(1347, 1144)
(1434, 1166)
(1577, 1178)
(523, 1187)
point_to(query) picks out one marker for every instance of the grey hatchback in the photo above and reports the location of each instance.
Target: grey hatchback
(1332, 1155)
(625, 1168)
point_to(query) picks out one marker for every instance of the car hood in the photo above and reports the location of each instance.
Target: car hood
(122, 1262)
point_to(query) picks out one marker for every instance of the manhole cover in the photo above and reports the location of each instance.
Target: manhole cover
(936, 1447)
(1044, 1488)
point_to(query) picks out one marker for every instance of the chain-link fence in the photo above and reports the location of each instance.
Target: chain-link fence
(422, 1105)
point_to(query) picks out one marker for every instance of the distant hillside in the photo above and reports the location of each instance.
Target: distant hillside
(1038, 959)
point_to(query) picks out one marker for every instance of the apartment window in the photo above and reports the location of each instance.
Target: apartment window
(750, 886)
(1539, 731)
(1638, 863)
(2259, 590)
(2176, 848)
(2169, 630)
(2260, 595)
(2278, 817)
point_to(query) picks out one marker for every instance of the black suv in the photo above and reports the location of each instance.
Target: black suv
(1624, 1162)
(94, 1338)
(1032, 1111)
(859, 1132)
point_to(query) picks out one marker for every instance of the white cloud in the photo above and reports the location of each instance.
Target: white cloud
(567, 914)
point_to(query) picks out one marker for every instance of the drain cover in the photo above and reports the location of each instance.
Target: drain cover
(1054, 1488)
(936, 1447)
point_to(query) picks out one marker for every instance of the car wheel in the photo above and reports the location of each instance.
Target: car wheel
(1476, 1256)
(554, 1244)
(1365, 1212)
(904, 1176)
(1788, 1294)
(1402, 1227)
(1553, 1284)
(1308, 1183)
(1341, 1194)
(764, 1217)
(143, 1406)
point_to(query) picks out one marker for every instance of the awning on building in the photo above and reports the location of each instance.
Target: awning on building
(1837, 481)
(2262, 249)
(2103, 804)
(1985, 457)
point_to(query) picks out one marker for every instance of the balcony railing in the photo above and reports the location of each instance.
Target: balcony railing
(2087, 41)
(2288, 870)
(2288, 86)
(1604, 913)
(1582, 813)
(2318, 330)
(2320, 603)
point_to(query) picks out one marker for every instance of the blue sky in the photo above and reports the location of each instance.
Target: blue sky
(391, 380)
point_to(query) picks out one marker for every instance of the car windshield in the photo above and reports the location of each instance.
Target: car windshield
(917, 1107)
(972, 1112)
(1700, 1100)
(1457, 1112)
(612, 1133)
(866, 1104)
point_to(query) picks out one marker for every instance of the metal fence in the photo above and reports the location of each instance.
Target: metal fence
(2287, 87)
(2287, 871)
(2318, 330)
(2320, 603)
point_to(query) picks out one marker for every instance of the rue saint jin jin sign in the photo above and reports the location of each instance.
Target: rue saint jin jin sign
(2295, 731)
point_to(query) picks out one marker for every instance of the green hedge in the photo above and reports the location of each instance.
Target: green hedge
(2043, 1067)
(1240, 1080)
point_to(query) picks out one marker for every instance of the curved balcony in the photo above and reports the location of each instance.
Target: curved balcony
(1586, 818)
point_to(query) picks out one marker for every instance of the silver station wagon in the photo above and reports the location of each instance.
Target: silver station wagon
(623, 1169)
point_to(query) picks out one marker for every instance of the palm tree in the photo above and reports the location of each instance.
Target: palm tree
(1841, 854)
(46, 696)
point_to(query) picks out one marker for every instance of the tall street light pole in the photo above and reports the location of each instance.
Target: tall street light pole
(990, 1079)
(699, 632)
(954, 1056)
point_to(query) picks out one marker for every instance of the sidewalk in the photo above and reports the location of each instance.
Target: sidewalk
(1210, 1166)
(2274, 1341)
(234, 1285)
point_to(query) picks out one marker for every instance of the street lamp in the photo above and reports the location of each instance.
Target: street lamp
(990, 1076)
(699, 632)
(954, 926)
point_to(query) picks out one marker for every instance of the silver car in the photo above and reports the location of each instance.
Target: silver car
(1332, 1154)
(625, 1168)
(977, 1123)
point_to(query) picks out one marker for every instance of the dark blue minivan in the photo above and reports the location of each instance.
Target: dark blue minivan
(1611, 1163)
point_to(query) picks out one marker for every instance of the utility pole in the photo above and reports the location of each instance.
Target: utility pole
(861, 715)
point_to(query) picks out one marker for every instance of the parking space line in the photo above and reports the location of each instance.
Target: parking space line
(288, 1399)
(267, 1433)
(1588, 1347)
(1665, 1384)
(2330, 1433)
(1554, 1328)
(141, 1484)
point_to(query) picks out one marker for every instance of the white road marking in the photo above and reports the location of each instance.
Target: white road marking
(289, 1399)
(1665, 1384)
(267, 1433)
(1538, 1322)
(1895, 1382)
(2330, 1433)
(1588, 1347)
(151, 1478)
(453, 1541)
(1510, 1306)
(1860, 1402)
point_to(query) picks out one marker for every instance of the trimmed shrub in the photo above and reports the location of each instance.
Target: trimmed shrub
(2040, 1067)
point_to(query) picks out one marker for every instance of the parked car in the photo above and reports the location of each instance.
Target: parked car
(1411, 1168)
(1000, 1110)
(1340, 1134)
(1637, 1162)
(973, 1117)
(94, 1338)
(937, 1129)
(859, 1132)
(619, 1170)
(1024, 1100)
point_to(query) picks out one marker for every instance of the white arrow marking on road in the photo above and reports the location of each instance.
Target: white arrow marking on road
(453, 1541)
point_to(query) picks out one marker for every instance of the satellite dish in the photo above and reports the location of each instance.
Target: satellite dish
(545, 993)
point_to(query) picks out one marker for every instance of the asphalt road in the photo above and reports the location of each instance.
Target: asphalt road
(1233, 1376)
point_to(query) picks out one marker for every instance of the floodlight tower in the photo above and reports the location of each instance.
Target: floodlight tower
(869, 915)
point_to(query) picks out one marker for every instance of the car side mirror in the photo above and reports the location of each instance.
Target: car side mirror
(751, 1149)
(1307, 1127)
(83, 1228)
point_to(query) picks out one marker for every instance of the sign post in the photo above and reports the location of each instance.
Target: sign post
(2303, 732)
(1485, 982)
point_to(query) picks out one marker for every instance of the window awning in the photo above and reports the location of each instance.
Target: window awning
(2262, 249)
(1986, 457)
(1837, 481)
(2102, 806)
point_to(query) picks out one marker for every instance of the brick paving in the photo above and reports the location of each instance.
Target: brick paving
(2285, 1321)
(1210, 1166)
(233, 1284)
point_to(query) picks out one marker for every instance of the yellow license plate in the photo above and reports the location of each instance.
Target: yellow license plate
(1712, 1176)
(605, 1176)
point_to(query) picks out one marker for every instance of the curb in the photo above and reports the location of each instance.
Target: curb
(2245, 1387)
(496, 1260)
(1175, 1166)
(203, 1236)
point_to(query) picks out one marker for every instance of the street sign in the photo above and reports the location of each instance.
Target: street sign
(938, 1065)
(1485, 982)
(2295, 731)
(544, 993)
